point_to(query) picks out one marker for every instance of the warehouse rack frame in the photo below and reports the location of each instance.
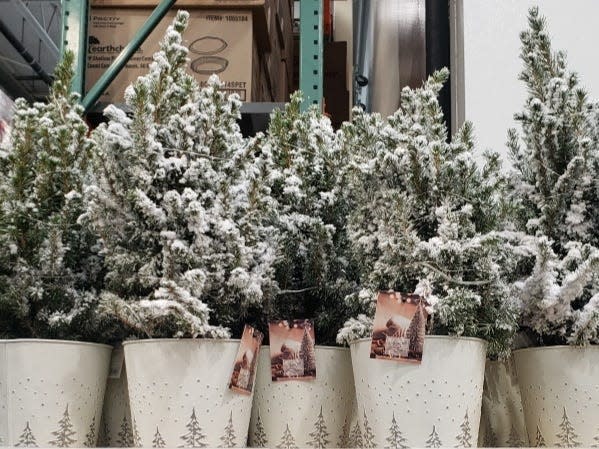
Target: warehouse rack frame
(74, 37)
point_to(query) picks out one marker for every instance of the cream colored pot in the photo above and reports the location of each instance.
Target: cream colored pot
(502, 420)
(116, 429)
(560, 394)
(179, 393)
(434, 404)
(305, 413)
(51, 392)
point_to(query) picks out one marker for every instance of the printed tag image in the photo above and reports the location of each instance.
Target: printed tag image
(399, 327)
(292, 353)
(244, 370)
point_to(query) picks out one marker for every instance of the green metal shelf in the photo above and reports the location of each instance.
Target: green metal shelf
(75, 16)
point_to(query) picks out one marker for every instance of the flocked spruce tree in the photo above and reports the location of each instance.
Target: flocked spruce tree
(423, 217)
(48, 269)
(180, 205)
(312, 270)
(555, 189)
(416, 332)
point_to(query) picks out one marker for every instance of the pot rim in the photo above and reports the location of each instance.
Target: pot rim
(180, 340)
(322, 347)
(433, 337)
(556, 347)
(53, 341)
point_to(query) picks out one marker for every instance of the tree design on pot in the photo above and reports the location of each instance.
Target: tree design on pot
(433, 439)
(465, 436)
(195, 435)
(319, 435)
(136, 436)
(355, 436)
(90, 436)
(567, 437)
(27, 439)
(104, 436)
(344, 437)
(539, 440)
(596, 439)
(125, 436)
(287, 441)
(514, 439)
(368, 434)
(416, 332)
(65, 434)
(307, 353)
(228, 437)
(490, 438)
(395, 439)
(260, 439)
(158, 441)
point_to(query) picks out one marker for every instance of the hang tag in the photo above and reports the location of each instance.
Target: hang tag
(399, 327)
(244, 368)
(292, 354)
(116, 362)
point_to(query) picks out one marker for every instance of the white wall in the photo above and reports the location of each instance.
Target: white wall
(485, 49)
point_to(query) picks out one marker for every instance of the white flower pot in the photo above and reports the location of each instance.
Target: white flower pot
(436, 403)
(560, 394)
(51, 392)
(116, 429)
(304, 413)
(179, 393)
(502, 420)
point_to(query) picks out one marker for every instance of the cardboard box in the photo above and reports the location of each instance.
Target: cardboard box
(258, 8)
(220, 41)
(335, 63)
(337, 105)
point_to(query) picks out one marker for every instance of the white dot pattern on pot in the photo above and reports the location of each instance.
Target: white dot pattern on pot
(190, 405)
(306, 413)
(502, 420)
(435, 403)
(560, 394)
(51, 393)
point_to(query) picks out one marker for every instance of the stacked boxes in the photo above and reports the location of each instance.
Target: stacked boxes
(281, 55)
(233, 38)
(335, 91)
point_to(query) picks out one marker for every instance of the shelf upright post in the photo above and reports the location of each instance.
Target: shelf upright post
(311, 52)
(74, 37)
(121, 60)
